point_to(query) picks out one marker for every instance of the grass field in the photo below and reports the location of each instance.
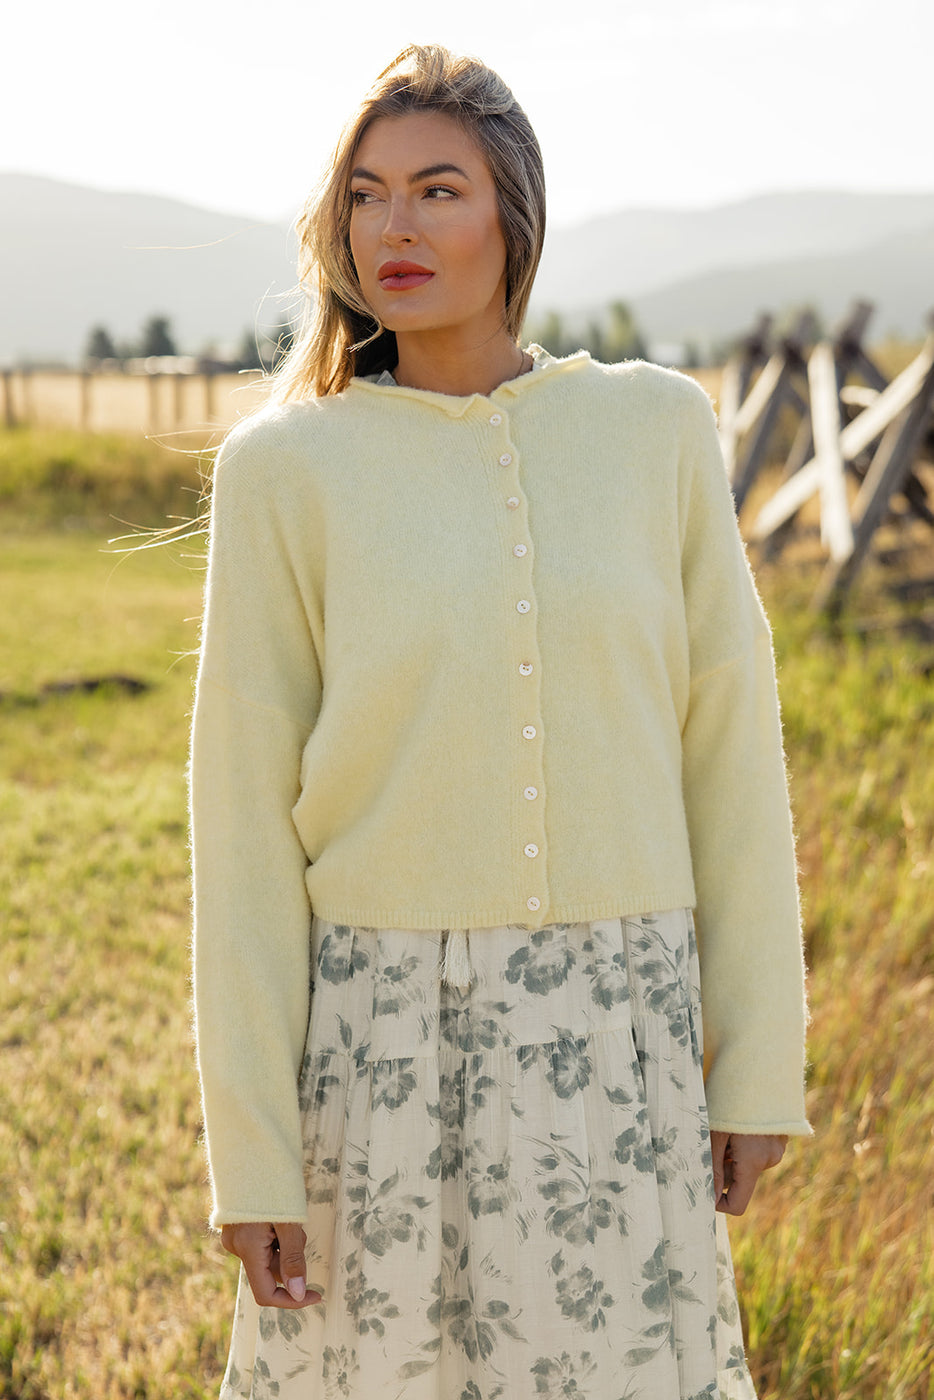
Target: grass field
(110, 1284)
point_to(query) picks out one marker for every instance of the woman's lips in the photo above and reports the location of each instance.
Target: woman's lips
(399, 277)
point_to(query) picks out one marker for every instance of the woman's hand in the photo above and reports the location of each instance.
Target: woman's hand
(738, 1161)
(273, 1258)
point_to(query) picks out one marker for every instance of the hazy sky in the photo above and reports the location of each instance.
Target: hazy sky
(235, 103)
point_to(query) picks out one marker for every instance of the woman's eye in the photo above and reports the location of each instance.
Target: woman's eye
(440, 192)
(361, 197)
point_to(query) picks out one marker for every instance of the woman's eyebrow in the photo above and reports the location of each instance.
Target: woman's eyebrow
(443, 168)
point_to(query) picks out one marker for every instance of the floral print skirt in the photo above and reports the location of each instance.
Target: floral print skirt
(509, 1180)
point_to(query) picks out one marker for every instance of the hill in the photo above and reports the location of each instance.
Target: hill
(629, 253)
(72, 257)
(896, 274)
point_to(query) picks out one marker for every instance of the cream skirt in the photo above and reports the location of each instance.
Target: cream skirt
(509, 1180)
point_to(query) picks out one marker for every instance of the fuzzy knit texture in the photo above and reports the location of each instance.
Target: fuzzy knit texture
(476, 661)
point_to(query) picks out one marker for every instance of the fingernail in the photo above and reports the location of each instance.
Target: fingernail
(296, 1287)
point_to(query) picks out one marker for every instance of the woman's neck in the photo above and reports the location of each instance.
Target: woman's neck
(430, 361)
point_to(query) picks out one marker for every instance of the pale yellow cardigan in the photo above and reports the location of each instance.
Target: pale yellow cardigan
(480, 661)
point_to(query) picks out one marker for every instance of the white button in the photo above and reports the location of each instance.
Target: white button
(523, 605)
(512, 502)
(529, 731)
(525, 668)
(533, 903)
(530, 794)
(496, 419)
(505, 460)
(531, 850)
(520, 550)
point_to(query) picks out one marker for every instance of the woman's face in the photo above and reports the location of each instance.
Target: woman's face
(424, 229)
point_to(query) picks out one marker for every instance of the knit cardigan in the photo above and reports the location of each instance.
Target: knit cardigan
(474, 661)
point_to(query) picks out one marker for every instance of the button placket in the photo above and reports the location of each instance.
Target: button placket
(529, 778)
(531, 830)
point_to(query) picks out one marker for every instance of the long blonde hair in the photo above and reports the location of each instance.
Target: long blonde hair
(340, 336)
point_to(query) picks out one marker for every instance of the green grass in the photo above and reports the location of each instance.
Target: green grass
(62, 478)
(110, 1285)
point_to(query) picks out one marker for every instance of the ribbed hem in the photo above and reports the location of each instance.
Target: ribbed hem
(498, 916)
(792, 1127)
(220, 1216)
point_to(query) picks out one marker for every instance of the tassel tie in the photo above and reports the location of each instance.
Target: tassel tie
(456, 970)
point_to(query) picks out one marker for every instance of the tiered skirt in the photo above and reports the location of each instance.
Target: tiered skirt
(509, 1182)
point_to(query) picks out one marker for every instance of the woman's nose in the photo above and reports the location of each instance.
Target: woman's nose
(399, 226)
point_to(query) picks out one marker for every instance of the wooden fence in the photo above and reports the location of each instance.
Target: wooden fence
(863, 450)
(156, 403)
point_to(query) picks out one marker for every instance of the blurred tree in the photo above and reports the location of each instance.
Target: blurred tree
(593, 340)
(248, 355)
(100, 345)
(623, 339)
(550, 335)
(157, 337)
(613, 337)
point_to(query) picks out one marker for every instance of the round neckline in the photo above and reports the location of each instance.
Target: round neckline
(543, 363)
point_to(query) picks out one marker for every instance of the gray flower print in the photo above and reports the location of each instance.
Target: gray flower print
(543, 964)
(273, 1320)
(476, 1330)
(479, 1027)
(579, 1204)
(563, 1377)
(657, 1296)
(339, 1368)
(383, 1214)
(452, 1098)
(341, 955)
(370, 1308)
(264, 1387)
(322, 1176)
(569, 1065)
(317, 1083)
(396, 987)
(448, 1156)
(668, 1163)
(581, 1297)
(635, 1144)
(490, 1189)
(393, 1083)
(609, 976)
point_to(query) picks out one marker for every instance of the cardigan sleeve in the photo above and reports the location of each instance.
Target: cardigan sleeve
(257, 695)
(739, 820)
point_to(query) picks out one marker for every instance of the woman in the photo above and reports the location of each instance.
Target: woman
(485, 709)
